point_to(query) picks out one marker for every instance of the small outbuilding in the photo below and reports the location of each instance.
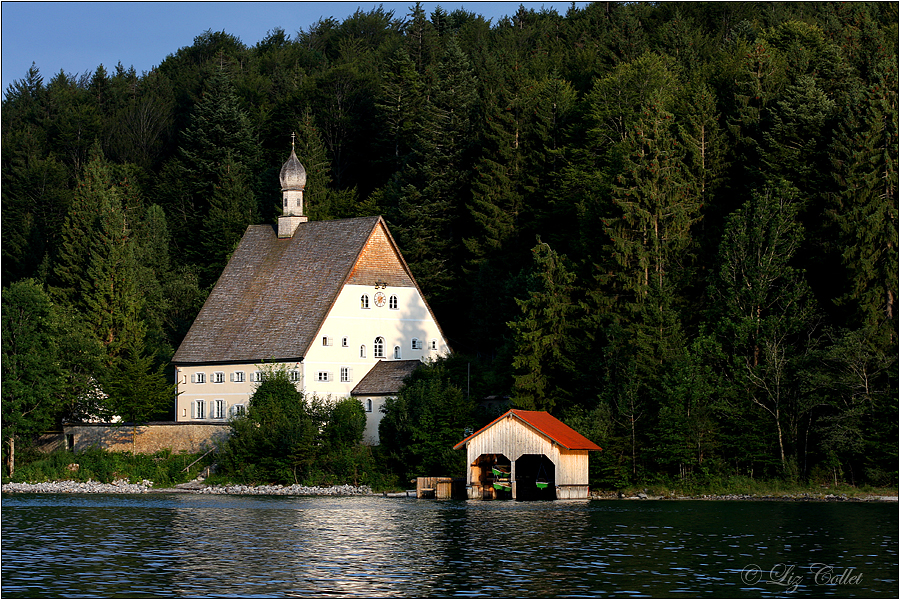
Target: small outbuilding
(525, 455)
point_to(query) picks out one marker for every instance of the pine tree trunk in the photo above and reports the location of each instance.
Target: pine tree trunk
(11, 459)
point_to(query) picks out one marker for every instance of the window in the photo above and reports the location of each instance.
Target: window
(392, 303)
(218, 409)
(218, 377)
(256, 377)
(345, 375)
(368, 405)
(294, 375)
(198, 378)
(416, 344)
(362, 351)
(345, 342)
(326, 340)
(396, 352)
(364, 301)
(237, 377)
(238, 410)
(324, 376)
(379, 347)
(198, 409)
(434, 344)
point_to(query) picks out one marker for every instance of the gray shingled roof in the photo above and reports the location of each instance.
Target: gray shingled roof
(275, 293)
(385, 378)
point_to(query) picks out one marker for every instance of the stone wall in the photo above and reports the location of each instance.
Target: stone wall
(146, 439)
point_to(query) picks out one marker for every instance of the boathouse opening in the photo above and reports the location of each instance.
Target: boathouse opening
(490, 477)
(535, 478)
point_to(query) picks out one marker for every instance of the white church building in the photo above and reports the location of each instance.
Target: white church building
(331, 302)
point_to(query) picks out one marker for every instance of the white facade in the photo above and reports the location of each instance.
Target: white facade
(365, 325)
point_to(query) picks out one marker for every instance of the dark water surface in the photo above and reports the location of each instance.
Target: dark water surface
(220, 546)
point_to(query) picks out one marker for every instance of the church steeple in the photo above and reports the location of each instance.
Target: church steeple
(293, 182)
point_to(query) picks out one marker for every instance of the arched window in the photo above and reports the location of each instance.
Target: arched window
(379, 347)
(364, 301)
(362, 351)
(392, 303)
(396, 352)
(368, 405)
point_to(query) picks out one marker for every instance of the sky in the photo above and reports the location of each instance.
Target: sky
(76, 37)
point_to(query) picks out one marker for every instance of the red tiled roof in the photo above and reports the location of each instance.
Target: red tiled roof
(548, 425)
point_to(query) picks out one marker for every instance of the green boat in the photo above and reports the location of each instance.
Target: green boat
(502, 486)
(501, 472)
(542, 485)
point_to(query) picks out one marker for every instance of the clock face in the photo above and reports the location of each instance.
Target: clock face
(379, 299)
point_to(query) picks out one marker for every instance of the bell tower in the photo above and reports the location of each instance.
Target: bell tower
(293, 182)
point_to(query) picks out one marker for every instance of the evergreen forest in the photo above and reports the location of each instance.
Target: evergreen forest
(671, 225)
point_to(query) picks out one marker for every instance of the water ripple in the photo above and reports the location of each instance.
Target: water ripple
(232, 546)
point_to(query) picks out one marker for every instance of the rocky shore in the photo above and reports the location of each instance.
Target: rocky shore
(199, 487)
(287, 490)
(146, 487)
(120, 486)
(801, 497)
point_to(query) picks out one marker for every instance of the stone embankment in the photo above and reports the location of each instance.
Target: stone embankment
(123, 487)
(120, 486)
(780, 497)
(287, 490)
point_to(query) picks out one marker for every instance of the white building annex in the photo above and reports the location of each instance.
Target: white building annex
(327, 300)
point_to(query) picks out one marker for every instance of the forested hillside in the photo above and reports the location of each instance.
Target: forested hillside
(673, 225)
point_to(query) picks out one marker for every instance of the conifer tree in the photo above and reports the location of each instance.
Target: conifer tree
(232, 209)
(427, 197)
(864, 207)
(400, 106)
(218, 128)
(32, 378)
(650, 232)
(545, 335)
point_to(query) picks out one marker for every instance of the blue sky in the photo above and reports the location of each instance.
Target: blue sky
(78, 36)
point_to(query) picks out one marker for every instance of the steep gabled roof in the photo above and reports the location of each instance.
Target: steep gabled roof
(385, 378)
(546, 424)
(274, 294)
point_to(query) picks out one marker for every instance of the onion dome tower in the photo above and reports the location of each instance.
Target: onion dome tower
(293, 182)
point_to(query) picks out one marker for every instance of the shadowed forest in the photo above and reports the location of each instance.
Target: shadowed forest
(672, 225)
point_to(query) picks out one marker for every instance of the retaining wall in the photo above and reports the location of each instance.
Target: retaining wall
(146, 439)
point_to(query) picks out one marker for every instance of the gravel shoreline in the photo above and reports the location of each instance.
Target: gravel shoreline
(146, 487)
(755, 497)
(198, 487)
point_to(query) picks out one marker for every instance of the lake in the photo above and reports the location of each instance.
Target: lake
(186, 545)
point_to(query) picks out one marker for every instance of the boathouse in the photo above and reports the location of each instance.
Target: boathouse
(525, 455)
